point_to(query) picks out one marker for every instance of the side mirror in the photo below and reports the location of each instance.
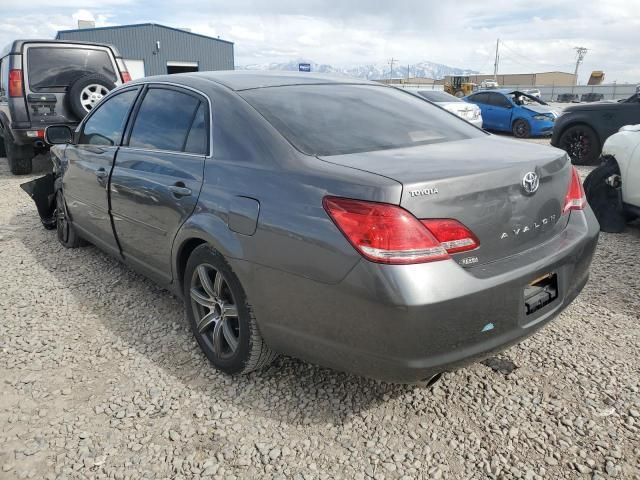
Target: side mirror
(58, 135)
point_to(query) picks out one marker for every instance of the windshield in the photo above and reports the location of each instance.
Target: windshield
(52, 69)
(436, 96)
(521, 98)
(339, 119)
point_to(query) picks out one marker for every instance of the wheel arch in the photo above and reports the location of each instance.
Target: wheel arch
(199, 229)
(576, 123)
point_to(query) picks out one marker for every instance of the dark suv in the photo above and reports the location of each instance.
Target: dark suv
(47, 81)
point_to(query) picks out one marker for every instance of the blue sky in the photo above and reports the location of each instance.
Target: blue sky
(537, 36)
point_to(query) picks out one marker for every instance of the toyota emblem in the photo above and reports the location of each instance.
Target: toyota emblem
(530, 183)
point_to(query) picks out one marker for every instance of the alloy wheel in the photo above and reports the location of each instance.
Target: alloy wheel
(91, 95)
(215, 311)
(577, 144)
(62, 225)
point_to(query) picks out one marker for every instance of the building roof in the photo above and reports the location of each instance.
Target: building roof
(139, 25)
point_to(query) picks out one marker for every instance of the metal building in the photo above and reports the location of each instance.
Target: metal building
(152, 49)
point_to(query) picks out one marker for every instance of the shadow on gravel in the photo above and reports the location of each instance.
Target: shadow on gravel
(150, 321)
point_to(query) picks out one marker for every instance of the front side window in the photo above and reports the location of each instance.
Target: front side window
(341, 118)
(498, 100)
(164, 121)
(52, 69)
(106, 123)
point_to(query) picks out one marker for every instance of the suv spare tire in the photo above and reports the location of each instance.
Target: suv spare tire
(86, 91)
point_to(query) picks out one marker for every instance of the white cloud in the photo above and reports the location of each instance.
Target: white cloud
(537, 36)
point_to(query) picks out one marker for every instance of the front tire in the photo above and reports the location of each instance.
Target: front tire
(220, 317)
(605, 200)
(67, 235)
(581, 143)
(521, 129)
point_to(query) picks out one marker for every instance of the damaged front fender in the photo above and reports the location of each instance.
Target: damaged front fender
(42, 192)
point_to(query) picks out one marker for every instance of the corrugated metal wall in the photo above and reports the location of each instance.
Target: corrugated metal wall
(138, 42)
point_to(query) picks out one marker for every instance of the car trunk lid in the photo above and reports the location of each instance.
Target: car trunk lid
(479, 182)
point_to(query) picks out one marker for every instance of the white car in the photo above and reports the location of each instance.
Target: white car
(534, 92)
(489, 84)
(613, 189)
(468, 111)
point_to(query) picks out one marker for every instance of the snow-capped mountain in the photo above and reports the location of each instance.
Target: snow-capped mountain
(370, 72)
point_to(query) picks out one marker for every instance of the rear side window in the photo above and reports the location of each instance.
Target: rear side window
(197, 138)
(164, 121)
(106, 123)
(53, 69)
(340, 119)
(480, 98)
(498, 100)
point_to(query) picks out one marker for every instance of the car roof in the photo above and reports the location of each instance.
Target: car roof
(247, 79)
(15, 47)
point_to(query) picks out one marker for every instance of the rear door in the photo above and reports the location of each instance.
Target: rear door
(482, 100)
(90, 160)
(157, 176)
(501, 109)
(49, 70)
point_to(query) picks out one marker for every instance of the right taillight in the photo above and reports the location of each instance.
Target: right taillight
(15, 83)
(387, 233)
(575, 198)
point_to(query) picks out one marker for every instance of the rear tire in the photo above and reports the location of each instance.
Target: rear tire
(581, 143)
(18, 156)
(521, 129)
(67, 235)
(220, 317)
(3, 151)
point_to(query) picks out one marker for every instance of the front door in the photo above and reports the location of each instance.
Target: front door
(157, 176)
(86, 179)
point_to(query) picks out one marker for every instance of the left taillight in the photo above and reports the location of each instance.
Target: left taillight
(575, 198)
(16, 88)
(385, 233)
(124, 71)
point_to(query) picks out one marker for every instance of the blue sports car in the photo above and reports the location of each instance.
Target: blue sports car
(514, 111)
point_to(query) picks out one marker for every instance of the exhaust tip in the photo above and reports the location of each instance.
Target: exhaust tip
(39, 144)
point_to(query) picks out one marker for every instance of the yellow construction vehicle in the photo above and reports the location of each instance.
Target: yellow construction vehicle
(459, 86)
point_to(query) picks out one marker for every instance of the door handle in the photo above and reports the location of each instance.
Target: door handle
(101, 173)
(179, 190)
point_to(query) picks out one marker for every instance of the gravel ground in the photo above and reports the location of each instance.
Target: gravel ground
(102, 379)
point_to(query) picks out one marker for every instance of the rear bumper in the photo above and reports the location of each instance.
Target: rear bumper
(24, 136)
(404, 323)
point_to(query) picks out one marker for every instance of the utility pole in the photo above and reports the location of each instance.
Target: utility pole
(495, 65)
(391, 62)
(580, 53)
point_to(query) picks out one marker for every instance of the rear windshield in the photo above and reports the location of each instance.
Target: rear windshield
(53, 69)
(339, 119)
(436, 96)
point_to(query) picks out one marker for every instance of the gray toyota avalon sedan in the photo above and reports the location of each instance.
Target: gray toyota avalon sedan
(343, 222)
